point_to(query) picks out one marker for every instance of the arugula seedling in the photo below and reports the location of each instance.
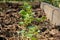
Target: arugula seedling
(27, 14)
(41, 19)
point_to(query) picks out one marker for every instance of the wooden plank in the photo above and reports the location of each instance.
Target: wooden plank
(52, 13)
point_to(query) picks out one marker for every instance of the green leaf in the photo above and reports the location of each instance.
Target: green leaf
(38, 19)
(35, 33)
(27, 6)
(29, 35)
(33, 38)
(59, 5)
(38, 31)
(22, 31)
(21, 23)
(22, 12)
(26, 16)
(32, 29)
(43, 17)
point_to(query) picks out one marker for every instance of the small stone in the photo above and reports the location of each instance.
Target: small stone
(53, 32)
(1, 14)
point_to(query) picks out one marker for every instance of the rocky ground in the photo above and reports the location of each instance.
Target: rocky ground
(9, 19)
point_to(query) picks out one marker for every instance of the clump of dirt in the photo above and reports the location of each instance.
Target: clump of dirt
(9, 19)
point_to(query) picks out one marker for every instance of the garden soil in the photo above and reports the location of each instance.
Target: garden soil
(9, 19)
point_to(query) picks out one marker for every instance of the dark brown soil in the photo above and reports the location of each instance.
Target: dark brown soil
(9, 18)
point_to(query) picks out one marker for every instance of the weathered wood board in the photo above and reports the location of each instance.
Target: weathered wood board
(52, 13)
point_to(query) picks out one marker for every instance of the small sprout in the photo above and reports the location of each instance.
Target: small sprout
(34, 38)
(32, 29)
(27, 14)
(38, 31)
(38, 19)
(59, 5)
(41, 19)
(27, 18)
(21, 23)
(29, 35)
(22, 31)
(22, 12)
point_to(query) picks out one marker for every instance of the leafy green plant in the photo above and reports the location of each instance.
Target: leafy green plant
(30, 33)
(41, 19)
(27, 14)
(27, 17)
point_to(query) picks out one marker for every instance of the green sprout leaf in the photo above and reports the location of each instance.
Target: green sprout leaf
(23, 12)
(22, 31)
(21, 23)
(27, 14)
(33, 38)
(32, 29)
(29, 35)
(41, 19)
(38, 31)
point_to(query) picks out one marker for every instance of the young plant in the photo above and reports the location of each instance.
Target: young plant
(27, 14)
(42, 19)
(30, 32)
(27, 17)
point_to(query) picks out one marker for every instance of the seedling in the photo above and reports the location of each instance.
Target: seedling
(27, 14)
(27, 17)
(30, 33)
